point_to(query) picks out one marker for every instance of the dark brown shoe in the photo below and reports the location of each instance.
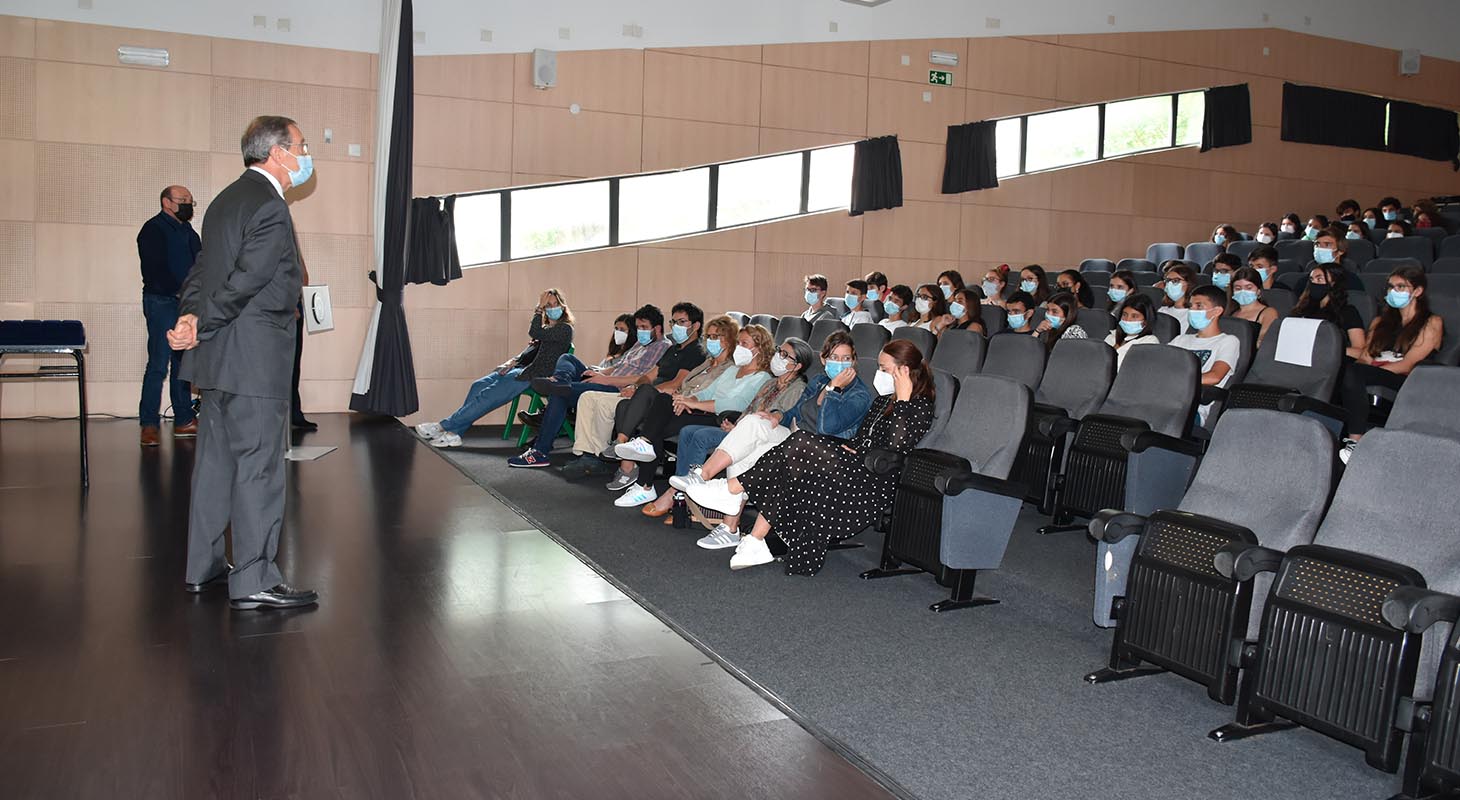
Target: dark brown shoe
(187, 431)
(149, 436)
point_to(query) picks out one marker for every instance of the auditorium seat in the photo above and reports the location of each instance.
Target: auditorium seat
(995, 318)
(1200, 253)
(1162, 251)
(770, 322)
(868, 339)
(1360, 252)
(959, 353)
(1020, 358)
(1280, 299)
(1448, 265)
(790, 326)
(1419, 248)
(1097, 265)
(1243, 249)
(1449, 247)
(923, 340)
(1426, 401)
(1136, 265)
(823, 328)
(741, 318)
(1280, 380)
(1076, 380)
(1299, 250)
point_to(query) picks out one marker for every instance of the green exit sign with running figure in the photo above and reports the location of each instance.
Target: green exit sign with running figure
(938, 77)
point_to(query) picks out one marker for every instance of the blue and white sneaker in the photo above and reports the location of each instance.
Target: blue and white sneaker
(530, 459)
(635, 496)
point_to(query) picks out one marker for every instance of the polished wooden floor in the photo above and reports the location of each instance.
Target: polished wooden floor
(456, 652)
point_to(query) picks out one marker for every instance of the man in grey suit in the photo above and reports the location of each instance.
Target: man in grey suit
(236, 320)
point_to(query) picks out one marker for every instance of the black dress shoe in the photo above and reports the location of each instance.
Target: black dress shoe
(194, 588)
(281, 596)
(302, 424)
(532, 419)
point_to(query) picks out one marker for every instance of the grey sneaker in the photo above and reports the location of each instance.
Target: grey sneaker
(683, 482)
(607, 453)
(623, 480)
(720, 538)
(429, 430)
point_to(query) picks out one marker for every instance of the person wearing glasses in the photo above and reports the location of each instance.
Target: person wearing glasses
(237, 325)
(167, 246)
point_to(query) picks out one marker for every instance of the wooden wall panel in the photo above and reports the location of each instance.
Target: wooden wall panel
(808, 100)
(886, 59)
(88, 263)
(1084, 76)
(600, 80)
(705, 89)
(480, 77)
(675, 143)
(714, 280)
(847, 58)
(464, 134)
(17, 37)
(101, 105)
(17, 201)
(1013, 66)
(898, 107)
(585, 144)
(277, 62)
(917, 230)
(97, 44)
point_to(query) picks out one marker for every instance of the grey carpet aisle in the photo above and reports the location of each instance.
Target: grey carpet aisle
(977, 703)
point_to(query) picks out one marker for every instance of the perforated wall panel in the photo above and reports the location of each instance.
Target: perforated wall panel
(17, 98)
(350, 113)
(99, 184)
(17, 262)
(116, 338)
(458, 344)
(343, 262)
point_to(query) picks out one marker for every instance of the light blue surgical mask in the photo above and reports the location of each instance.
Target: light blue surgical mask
(645, 337)
(1016, 320)
(1372, 222)
(1221, 280)
(853, 302)
(1323, 255)
(956, 309)
(873, 296)
(1175, 290)
(1054, 320)
(1310, 232)
(811, 298)
(679, 334)
(1220, 238)
(1391, 215)
(1198, 320)
(553, 312)
(1396, 299)
(834, 368)
(990, 289)
(1028, 286)
(1351, 235)
(890, 307)
(1244, 297)
(947, 290)
(714, 348)
(305, 169)
(1132, 327)
(1116, 295)
(1262, 271)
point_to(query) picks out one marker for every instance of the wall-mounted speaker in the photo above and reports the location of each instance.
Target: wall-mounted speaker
(544, 68)
(1408, 62)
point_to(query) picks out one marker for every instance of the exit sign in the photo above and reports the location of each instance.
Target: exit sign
(938, 77)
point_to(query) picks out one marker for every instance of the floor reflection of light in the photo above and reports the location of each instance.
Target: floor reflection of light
(491, 572)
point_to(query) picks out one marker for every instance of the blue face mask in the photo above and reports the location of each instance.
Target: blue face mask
(873, 296)
(1396, 298)
(1028, 286)
(1220, 238)
(305, 169)
(956, 309)
(890, 307)
(1221, 280)
(811, 298)
(1351, 235)
(1175, 290)
(834, 368)
(947, 290)
(1311, 232)
(990, 289)
(1054, 321)
(1198, 320)
(1323, 255)
(1016, 320)
(1262, 272)
(1116, 295)
(553, 312)
(1371, 222)
(1131, 327)
(1244, 297)
(853, 302)
(645, 337)
(1391, 215)
(714, 348)
(679, 334)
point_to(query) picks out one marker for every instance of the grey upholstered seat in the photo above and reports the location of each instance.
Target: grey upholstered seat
(741, 318)
(1449, 247)
(1419, 248)
(1136, 265)
(769, 321)
(945, 388)
(1243, 249)
(1299, 250)
(792, 326)
(1384, 265)
(1360, 252)
(868, 338)
(995, 318)
(1272, 383)
(1163, 251)
(1446, 265)
(1018, 357)
(924, 340)
(1076, 379)
(1097, 265)
(1202, 252)
(1280, 299)
(1158, 388)
(1095, 322)
(960, 353)
(1427, 401)
(821, 329)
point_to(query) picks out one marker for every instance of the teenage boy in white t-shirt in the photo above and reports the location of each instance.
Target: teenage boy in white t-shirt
(1218, 352)
(856, 299)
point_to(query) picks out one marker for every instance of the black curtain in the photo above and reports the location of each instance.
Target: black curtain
(1228, 117)
(876, 175)
(970, 159)
(1424, 131)
(392, 389)
(431, 249)
(1314, 115)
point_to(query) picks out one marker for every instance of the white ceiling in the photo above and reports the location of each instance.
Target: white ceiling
(455, 26)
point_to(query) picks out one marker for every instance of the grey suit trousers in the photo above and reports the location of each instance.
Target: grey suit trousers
(238, 478)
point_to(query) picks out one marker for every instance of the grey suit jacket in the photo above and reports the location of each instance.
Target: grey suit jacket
(243, 290)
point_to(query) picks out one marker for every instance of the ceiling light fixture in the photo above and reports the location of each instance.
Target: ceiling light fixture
(866, 3)
(143, 56)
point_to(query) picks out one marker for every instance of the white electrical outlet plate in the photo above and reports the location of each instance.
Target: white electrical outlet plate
(565, 33)
(832, 27)
(260, 21)
(486, 35)
(283, 24)
(329, 135)
(906, 60)
(1267, 51)
(992, 23)
(354, 150)
(927, 97)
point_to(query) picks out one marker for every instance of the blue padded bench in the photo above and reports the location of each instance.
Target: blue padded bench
(51, 337)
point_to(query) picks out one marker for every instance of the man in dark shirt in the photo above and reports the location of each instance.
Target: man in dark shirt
(167, 246)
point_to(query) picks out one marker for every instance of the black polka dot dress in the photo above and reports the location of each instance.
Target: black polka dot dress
(814, 490)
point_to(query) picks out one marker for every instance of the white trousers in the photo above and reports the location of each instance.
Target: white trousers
(752, 436)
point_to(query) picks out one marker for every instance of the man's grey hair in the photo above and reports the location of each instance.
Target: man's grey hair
(262, 135)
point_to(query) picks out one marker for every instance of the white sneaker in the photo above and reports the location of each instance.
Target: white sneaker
(429, 430)
(720, 538)
(636, 449)
(751, 552)
(446, 439)
(716, 494)
(683, 482)
(636, 496)
(1346, 450)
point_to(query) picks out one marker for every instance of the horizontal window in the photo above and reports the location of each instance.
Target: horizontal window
(1062, 138)
(1135, 125)
(1191, 108)
(758, 190)
(556, 219)
(831, 178)
(1008, 136)
(478, 219)
(665, 205)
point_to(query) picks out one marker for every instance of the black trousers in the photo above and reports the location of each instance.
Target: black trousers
(631, 413)
(662, 423)
(1354, 394)
(296, 411)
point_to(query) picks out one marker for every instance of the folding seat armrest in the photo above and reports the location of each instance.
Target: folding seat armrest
(1113, 525)
(1056, 427)
(1241, 561)
(1302, 404)
(884, 462)
(955, 482)
(1214, 394)
(1414, 609)
(1141, 441)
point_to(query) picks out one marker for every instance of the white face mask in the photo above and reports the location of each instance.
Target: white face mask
(743, 355)
(1289, 228)
(1264, 238)
(922, 304)
(619, 337)
(780, 365)
(883, 383)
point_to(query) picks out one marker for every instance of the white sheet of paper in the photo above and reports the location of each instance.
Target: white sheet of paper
(1295, 341)
(318, 314)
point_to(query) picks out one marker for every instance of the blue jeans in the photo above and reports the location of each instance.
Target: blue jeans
(557, 410)
(568, 368)
(486, 394)
(161, 314)
(696, 443)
